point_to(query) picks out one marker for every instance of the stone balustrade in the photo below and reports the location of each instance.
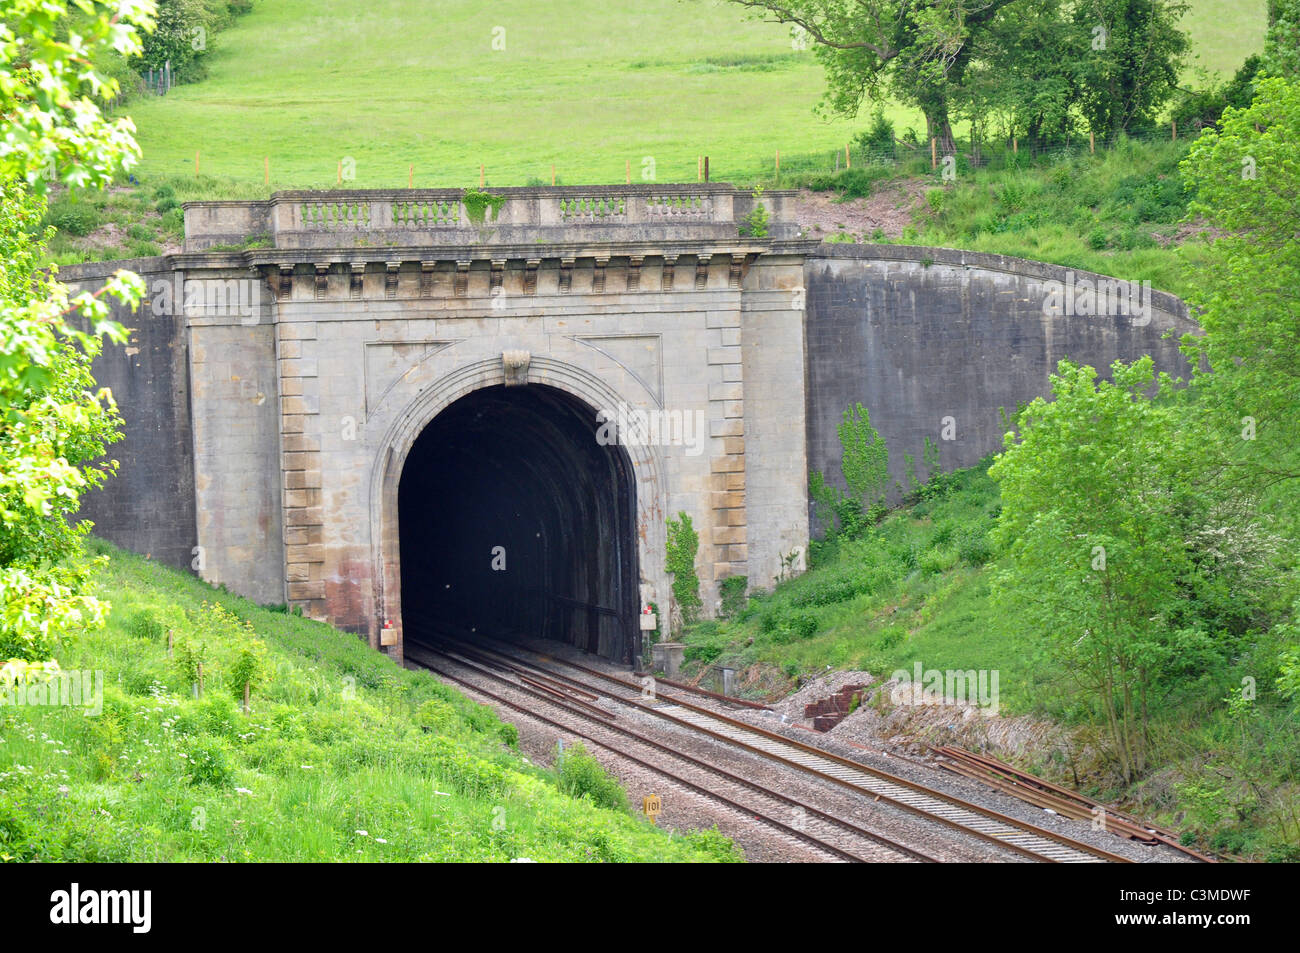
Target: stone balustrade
(414, 217)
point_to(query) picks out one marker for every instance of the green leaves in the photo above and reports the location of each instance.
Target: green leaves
(54, 421)
(1246, 177)
(1102, 506)
(53, 129)
(681, 547)
(865, 458)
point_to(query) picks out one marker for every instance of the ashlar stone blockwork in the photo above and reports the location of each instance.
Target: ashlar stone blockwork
(381, 309)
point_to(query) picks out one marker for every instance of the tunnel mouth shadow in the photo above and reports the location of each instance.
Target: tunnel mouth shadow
(516, 523)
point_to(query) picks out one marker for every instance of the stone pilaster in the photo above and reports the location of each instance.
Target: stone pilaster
(727, 432)
(300, 444)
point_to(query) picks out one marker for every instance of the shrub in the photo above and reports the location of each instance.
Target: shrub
(209, 762)
(755, 224)
(715, 844)
(173, 222)
(877, 140)
(437, 716)
(796, 628)
(938, 559)
(581, 776)
(851, 183)
(732, 595)
(469, 774)
(74, 218)
(147, 623)
(974, 548)
(249, 668)
(703, 652)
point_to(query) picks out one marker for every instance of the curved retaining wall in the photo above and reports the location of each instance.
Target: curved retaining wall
(148, 507)
(934, 341)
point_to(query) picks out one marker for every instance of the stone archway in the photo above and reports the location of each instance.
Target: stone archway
(583, 392)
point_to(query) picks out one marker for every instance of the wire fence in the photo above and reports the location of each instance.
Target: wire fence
(919, 158)
(781, 169)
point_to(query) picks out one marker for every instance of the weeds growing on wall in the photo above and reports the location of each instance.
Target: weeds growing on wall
(683, 543)
(477, 203)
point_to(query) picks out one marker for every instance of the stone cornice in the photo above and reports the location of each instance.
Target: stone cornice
(553, 251)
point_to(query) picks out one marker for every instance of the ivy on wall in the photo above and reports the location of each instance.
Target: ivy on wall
(683, 544)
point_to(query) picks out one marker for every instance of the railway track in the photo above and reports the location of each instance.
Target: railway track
(578, 687)
(835, 837)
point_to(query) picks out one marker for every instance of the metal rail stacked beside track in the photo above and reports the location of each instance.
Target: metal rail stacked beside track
(1044, 794)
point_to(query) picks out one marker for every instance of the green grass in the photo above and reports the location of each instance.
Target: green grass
(913, 589)
(1223, 34)
(580, 84)
(916, 588)
(343, 756)
(1116, 212)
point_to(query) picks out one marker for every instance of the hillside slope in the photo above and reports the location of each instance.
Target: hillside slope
(917, 589)
(343, 756)
(519, 87)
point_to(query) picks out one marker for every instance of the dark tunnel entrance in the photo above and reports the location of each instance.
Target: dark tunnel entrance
(515, 522)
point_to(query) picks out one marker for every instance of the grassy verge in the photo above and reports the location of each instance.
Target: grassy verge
(343, 756)
(1117, 212)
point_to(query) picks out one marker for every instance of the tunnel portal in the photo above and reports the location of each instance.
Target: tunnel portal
(515, 522)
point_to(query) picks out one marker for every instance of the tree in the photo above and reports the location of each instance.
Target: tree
(917, 49)
(1246, 177)
(1024, 71)
(1282, 41)
(179, 38)
(1136, 53)
(1099, 502)
(52, 422)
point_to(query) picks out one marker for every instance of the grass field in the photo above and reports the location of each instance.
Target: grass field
(583, 85)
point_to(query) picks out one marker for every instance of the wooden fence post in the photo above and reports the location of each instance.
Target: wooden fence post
(934, 153)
